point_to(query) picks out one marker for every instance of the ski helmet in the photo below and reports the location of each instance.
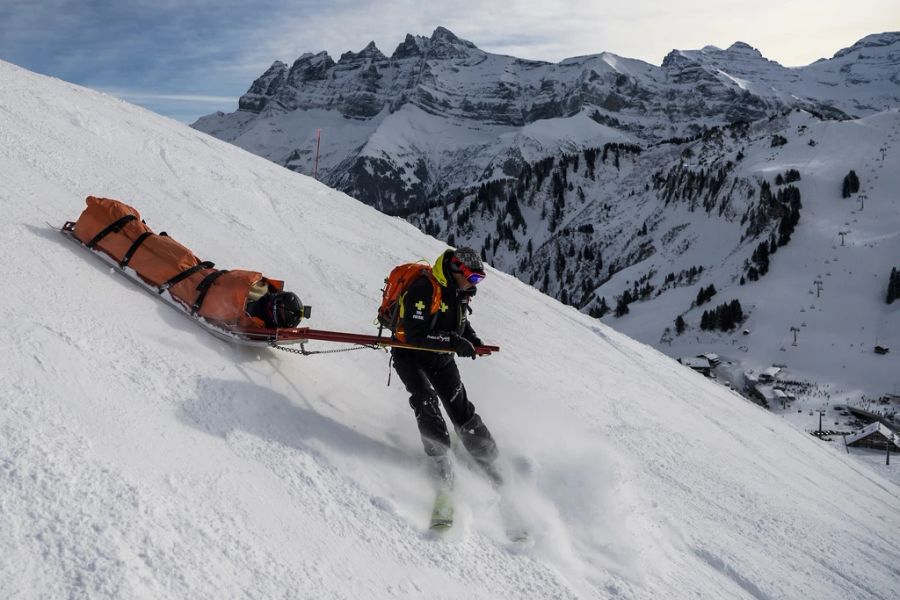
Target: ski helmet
(287, 310)
(467, 261)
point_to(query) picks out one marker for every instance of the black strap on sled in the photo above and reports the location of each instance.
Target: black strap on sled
(203, 288)
(113, 227)
(137, 243)
(185, 274)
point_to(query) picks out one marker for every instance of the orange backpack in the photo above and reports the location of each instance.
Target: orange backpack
(395, 286)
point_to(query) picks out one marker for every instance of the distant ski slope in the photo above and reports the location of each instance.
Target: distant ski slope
(142, 458)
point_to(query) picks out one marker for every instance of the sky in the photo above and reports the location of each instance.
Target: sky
(185, 59)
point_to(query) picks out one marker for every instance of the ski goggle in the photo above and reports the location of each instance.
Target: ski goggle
(471, 276)
(474, 278)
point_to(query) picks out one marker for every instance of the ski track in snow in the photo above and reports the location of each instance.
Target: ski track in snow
(142, 458)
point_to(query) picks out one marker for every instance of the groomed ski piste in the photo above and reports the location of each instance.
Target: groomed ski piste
(141, 457)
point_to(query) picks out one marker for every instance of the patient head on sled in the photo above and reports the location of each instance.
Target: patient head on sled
(276, 308)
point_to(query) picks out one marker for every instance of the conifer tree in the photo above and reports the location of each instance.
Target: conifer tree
(622, 305)
(850, 185)
(893, 291)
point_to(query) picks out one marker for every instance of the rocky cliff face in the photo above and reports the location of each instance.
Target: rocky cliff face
(440, 115)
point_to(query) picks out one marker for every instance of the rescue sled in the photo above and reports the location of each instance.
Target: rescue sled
(259, 336)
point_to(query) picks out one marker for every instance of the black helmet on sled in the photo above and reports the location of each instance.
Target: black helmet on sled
(279, 309)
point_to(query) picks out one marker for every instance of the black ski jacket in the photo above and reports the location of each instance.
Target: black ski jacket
(451, 317)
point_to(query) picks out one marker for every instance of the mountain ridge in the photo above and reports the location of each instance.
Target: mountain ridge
(460, 87)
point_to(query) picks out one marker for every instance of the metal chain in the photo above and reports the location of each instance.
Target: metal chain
(306, 352)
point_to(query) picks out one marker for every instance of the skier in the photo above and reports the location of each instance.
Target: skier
(430, 376)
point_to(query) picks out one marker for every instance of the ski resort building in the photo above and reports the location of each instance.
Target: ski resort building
(697, 363)
(780, 396)
(713, 359)
(874, 435)
(885, 417)
(770, 374)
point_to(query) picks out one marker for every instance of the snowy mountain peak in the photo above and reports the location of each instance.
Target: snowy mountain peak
(745, 49)
(264, 88)
(736, 48)
(442, 34)
(740, 56)
(409, 47)
(677, 58)
(444, 44)
(310, 67)
(876, 40)
(370, 52)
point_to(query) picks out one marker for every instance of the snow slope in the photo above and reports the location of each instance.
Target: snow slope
(142, 458)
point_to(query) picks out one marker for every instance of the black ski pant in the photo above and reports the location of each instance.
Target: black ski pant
(430, 378)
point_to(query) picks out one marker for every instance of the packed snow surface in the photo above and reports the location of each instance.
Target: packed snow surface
(142, 458)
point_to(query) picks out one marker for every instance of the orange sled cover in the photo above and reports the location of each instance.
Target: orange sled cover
(160, 261)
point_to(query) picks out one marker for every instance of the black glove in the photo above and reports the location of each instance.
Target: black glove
(462, 346)
(476, 341)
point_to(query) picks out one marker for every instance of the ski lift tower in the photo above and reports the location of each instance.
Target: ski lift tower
(316, 167)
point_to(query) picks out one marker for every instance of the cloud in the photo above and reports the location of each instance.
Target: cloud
(644, 29)
(144, 96)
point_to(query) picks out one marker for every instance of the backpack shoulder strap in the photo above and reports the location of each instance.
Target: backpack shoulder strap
(436, 292)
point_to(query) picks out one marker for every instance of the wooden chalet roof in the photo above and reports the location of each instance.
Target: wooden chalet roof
(870, 429)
